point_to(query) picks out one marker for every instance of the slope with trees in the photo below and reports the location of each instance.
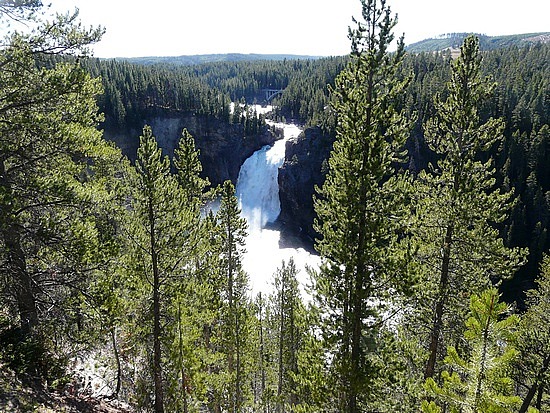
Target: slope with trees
(57, 180)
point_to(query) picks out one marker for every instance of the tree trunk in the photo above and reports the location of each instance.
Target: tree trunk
(538, 404)
(157, 371)
(16, 264)
(157, 357)
(293, 355)
(262, 355)
(184, 386)
(533, 389)
(238, 369)
(118, 365)
(528, 398)
(17, 270)
(357, 324)
(233, 318)
(442, 295)
(280, 408)
(482, 370)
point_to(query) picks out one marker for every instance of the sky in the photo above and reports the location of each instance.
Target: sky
(304, 27)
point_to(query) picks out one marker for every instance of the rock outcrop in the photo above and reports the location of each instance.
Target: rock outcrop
(305, 166)
(223, 146)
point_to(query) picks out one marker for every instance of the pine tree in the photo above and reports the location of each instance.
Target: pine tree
(533, 344)
(480, 383)
(292, 368)
(287, 319)
(55, 171)
(236, 311)
(359, 205)
(312, 382)
(261, 373)
(457, 207)
(189, 170)
(191, 293)
(212, 276)
(153, 177)
(162, 230)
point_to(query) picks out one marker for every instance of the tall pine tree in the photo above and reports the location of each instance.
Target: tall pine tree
(457, 206)
(359, 205)
(55, 169)
(162, 231)
(236, 308)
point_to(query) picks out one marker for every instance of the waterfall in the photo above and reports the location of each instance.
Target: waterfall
(257, 186)
(258, 193)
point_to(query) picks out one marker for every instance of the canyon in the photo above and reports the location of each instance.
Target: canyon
(223, 150)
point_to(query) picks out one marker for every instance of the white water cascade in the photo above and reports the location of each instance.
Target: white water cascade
(258, 194)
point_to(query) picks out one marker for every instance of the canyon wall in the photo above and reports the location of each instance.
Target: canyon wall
(305, 166)
(223, 146)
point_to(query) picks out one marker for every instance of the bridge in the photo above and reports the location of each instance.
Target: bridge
(271, 93)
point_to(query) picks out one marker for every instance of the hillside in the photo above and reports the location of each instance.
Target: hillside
(454, 40)
(19, 394)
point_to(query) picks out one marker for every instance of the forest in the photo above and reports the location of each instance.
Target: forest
(433, 291)
(521, 98)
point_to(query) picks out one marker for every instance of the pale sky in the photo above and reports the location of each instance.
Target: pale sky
(308, 27)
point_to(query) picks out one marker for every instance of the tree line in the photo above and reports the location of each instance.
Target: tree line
(102, 256)
(133, 91)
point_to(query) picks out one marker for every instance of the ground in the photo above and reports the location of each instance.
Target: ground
(17, 395)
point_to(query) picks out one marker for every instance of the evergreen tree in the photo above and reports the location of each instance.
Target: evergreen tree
(212, 276)
(292, 368)
(55, 173)
(236, 309)
(359, 206)
(533, 344)
(189, 169)
(311, 380)
(150, 198)
(457, 207)
(287, 318)
(261, 373)
(162, 232)
(287, 298)
(480, 383)
(191, 294)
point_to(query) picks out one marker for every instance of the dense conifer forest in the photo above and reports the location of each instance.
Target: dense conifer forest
(521, 99)
(434, 284)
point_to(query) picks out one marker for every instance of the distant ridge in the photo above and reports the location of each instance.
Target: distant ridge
(189, 60)
(454, 40)
(450, 41)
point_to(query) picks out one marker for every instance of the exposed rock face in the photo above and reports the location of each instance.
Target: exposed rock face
(223, 147)
(304, 167)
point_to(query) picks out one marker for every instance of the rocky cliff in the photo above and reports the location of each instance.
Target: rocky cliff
(223, 149)
(305, 166)
(223, 146)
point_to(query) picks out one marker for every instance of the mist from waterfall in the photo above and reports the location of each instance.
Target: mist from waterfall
(258, 195)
